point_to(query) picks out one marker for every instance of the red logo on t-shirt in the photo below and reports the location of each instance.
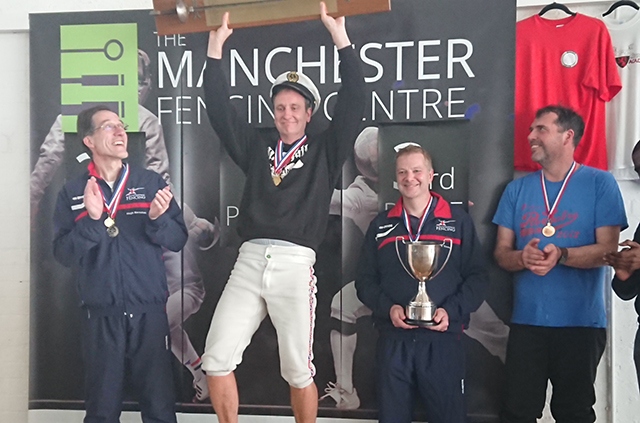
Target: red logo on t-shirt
(622, 61)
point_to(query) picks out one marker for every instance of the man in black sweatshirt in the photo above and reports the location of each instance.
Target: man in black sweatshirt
(290, 178)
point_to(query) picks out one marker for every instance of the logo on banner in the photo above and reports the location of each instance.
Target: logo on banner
(98, 65)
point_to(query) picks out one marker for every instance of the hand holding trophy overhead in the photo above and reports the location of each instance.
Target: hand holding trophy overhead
(423, 259)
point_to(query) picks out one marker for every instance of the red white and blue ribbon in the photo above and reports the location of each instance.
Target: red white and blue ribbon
(552, 209)
(407, 221)
(280, 159)
(112, 204)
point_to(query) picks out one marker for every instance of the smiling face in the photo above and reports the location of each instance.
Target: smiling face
(414, 175)
(547, 140)
(290, 115)
(108, 140)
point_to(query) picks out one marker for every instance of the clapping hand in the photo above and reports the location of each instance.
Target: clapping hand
(160, 203)
(93, 201)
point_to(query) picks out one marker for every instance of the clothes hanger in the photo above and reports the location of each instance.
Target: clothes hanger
(556, 5)
(617, 4)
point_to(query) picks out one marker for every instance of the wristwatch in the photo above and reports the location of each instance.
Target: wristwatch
(564, 255)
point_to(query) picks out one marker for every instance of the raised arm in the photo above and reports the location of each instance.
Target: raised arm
(350, 105)
(218, 37)
(335, 26)
(235, 134)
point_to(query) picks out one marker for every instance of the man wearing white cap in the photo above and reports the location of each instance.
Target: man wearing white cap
(284, 212)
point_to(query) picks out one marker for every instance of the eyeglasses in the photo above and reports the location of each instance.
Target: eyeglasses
(112, 127)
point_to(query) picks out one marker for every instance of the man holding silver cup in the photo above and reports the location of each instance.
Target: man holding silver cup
(422, 355)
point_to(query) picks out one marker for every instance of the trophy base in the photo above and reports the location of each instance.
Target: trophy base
(421, 323)
(420, 313)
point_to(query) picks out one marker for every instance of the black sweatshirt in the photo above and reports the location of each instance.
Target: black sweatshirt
(297, 209)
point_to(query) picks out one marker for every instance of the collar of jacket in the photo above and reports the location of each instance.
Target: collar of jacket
(442, 211)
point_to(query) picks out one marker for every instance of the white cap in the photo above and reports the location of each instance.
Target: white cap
(299, 82)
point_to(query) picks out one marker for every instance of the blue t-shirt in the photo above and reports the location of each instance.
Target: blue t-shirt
(566, 296)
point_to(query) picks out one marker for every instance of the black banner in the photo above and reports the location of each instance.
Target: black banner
(438, 73)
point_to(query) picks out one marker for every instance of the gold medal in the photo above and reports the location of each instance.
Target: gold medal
(109, 222)
(113, 231)
(548, 230)
(276, 179)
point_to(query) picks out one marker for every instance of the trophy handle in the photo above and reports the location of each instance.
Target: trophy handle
(400, 258)
(448, 256)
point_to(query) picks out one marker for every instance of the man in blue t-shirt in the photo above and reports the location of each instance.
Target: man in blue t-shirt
(554, 227)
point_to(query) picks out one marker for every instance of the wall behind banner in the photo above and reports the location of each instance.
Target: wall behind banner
(14, 244)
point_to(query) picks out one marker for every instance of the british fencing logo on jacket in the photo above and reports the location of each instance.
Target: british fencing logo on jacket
(133, 194)
(443, 225)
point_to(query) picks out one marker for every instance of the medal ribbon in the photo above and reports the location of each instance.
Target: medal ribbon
(280, 159)
(407, 221)
(552, 209)
(112, 205)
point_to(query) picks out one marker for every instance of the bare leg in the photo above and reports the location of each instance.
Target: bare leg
(304, 403)
(223, 392)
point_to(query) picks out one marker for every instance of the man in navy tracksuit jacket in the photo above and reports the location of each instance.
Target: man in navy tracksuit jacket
(412, 360)
(112, 224)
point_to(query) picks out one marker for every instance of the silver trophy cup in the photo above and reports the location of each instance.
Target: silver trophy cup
(422, 257)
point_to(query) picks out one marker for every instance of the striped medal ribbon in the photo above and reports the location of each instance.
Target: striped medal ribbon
(111, 205)
(407, 221)
(280, 159)
(548, 230)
